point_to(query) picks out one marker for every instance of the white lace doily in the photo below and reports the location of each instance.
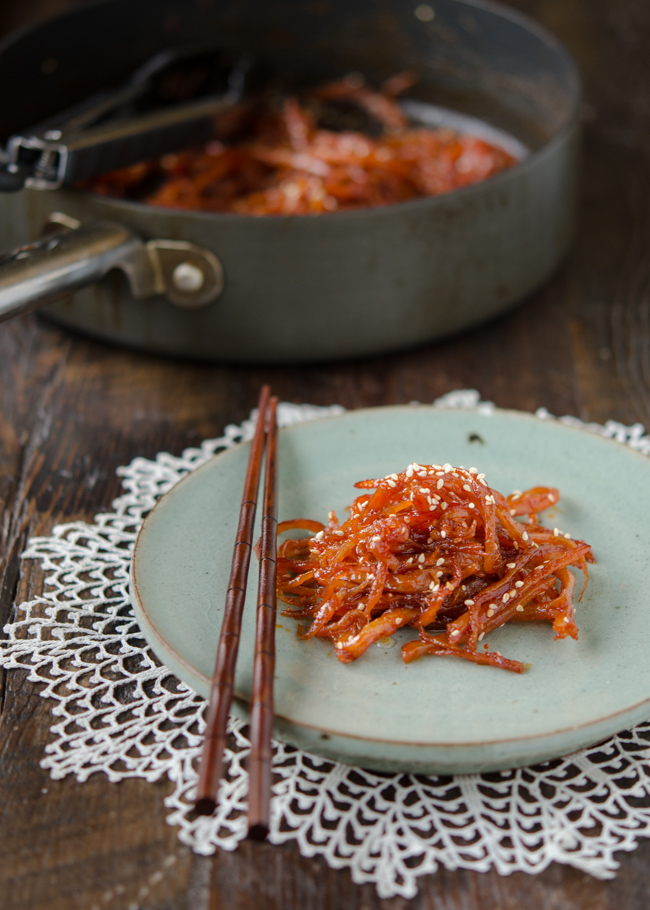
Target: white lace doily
(116, 710)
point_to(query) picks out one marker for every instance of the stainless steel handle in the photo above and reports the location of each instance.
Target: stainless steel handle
(78, 255)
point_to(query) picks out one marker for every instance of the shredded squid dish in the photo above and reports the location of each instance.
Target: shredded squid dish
(280, 158)
(436, 549)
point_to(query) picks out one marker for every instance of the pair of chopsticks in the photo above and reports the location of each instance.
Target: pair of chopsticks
(261, 722)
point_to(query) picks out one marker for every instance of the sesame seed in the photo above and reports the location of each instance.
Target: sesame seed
(520, 609)
(519, 584)
(409, 471)
(422, 473)
(512, 511)
(441, 561)
(551, 498)
(481, 636)
(455, 633)
(339, 645)
(421, 557)
(473, 470)
(512, 593)
(525, 535)
(490, 612)
(470, 505)
(398, 621)
(319, 536)
(338, 533)
(568, 536)
(493, 607)
(439, 574)
(469, 603)
(393, 476)
(565, 619)
(555, 532)
(467, 488)
(424, 490)
(391, 483)
(511, 565)
(409, 561)
(443, 534)
(440, 484)
(443, 506)
(505, 597)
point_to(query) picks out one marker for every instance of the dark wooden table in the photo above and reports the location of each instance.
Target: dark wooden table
(73, 409)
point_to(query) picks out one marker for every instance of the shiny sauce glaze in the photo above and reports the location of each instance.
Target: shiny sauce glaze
(432, 548)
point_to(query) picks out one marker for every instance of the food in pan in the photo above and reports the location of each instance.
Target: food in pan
(436, 549)
(283, 159)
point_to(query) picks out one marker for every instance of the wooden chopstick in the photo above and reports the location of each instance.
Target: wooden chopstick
(261, 724)
(211, 762)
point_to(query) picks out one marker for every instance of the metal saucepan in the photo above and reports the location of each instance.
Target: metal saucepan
(299, 288)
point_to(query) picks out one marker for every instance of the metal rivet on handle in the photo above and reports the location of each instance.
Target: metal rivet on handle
(188, 277)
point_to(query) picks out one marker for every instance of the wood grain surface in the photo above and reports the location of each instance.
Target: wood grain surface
(72, 410)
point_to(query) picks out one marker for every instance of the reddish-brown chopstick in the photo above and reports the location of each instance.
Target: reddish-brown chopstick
(261, 725)
(211, 764)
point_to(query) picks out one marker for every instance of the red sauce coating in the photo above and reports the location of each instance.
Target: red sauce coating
(436, 549)
(288, 165)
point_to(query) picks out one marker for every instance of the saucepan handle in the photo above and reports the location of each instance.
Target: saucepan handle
(74, 255)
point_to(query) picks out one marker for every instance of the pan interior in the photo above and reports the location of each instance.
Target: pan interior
(470, 57)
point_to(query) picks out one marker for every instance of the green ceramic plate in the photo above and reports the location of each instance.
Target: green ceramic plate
(437, 714)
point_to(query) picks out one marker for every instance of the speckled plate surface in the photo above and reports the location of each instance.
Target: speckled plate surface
(437, 714)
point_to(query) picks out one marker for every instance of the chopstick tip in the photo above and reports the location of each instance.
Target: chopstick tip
(258, 832)
(205, 806)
